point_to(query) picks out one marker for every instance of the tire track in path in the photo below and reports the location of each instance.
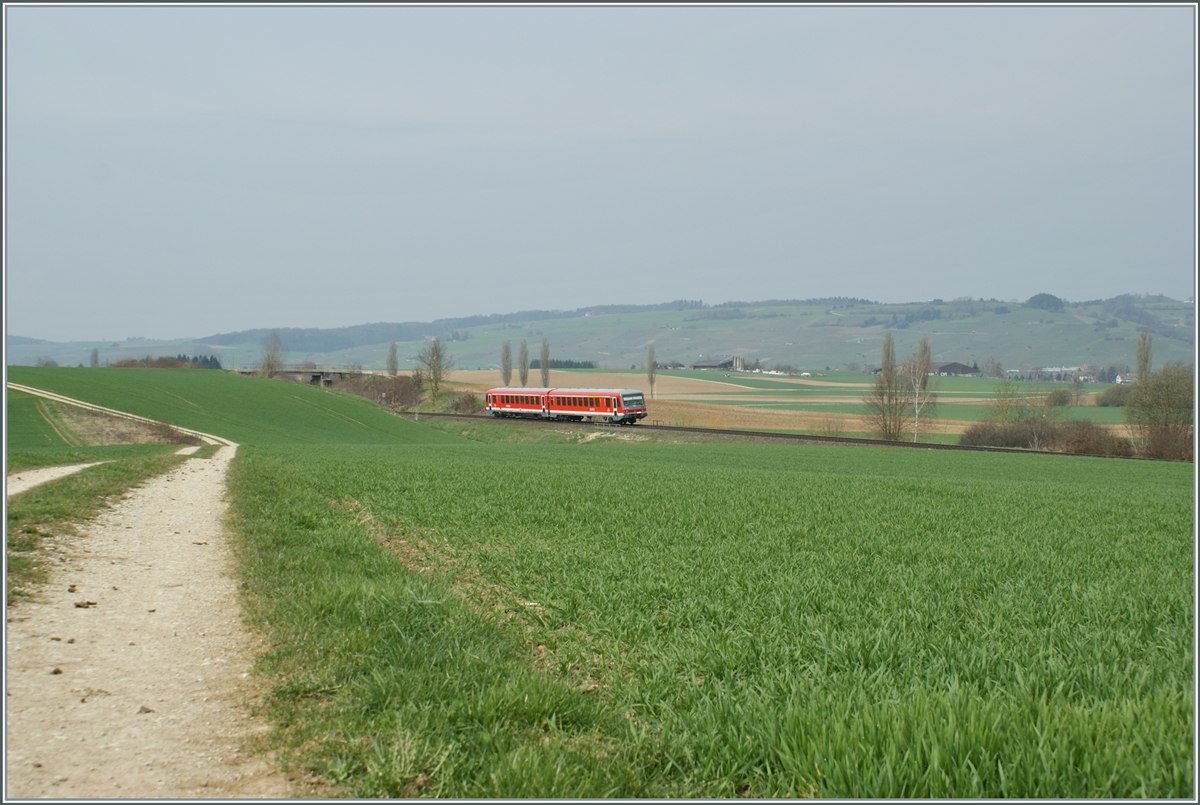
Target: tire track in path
(129, 677)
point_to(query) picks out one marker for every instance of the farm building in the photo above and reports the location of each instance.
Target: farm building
(952, 369)
(716, 363)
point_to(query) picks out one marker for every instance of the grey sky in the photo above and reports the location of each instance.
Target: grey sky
(183, 171)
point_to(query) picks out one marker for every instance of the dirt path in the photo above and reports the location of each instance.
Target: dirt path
(129, 677)
(23, 481)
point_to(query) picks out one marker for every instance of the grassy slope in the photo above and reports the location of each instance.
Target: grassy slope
(32, 442)
(247, 410)
(641, 619)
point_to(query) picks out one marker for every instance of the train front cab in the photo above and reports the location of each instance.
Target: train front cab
(633, 407)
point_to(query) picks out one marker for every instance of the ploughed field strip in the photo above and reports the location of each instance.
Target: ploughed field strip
(640, 619)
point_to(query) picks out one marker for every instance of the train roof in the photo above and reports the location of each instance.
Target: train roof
(542, 390)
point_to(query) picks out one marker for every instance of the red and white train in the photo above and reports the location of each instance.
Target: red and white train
(620, 406)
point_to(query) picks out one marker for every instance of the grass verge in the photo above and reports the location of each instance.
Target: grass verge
(34, 457)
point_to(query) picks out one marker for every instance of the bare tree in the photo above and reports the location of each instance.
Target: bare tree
(505, 363)
(523, 363)
(544, 363)
(1006, 405)
(1142, 361)
(393, 361)
(916, 381)
(272, 355)
(651, 368)
(435, 363)
(887, 402)
(95, 357)
(1160, 412)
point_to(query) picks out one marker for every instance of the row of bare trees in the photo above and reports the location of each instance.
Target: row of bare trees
(901, 393)
(506, 366)
(433, 364)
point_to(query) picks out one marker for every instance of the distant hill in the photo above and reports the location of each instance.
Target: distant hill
(20, 340)
(806, 333)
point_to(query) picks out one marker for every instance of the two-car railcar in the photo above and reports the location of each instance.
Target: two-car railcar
(619, 406)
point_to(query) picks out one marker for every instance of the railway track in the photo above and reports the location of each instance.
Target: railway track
(766, 436)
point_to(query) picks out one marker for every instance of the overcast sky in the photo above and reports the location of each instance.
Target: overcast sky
(178, 172)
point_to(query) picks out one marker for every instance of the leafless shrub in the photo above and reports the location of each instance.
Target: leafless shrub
(468, 403)
(149, 362)
(1114, 396)
(829, 425)
(1086, 437)
(1059, 398)
(1076, 436)
(398, 393)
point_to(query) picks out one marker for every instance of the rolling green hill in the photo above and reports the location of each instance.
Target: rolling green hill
(248, 410)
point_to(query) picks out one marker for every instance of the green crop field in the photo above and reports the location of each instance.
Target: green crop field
(640, 619)
(520, 612)
(247, 410)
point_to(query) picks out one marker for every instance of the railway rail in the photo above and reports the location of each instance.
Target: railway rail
(763, 435)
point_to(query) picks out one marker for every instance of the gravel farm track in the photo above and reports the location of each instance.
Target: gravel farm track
(128, 675)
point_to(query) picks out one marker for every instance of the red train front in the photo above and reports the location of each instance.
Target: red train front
(619, 406)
